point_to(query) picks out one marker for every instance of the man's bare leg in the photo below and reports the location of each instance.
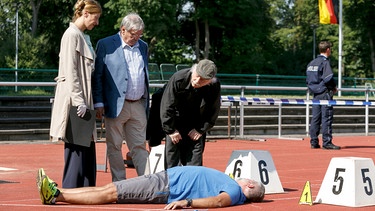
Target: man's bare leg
(89, 195)
(83, 189)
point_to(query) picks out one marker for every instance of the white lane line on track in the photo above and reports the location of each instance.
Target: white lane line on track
(64, 206)
(7, 169)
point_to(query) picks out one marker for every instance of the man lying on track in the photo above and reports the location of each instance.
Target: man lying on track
(178, 187)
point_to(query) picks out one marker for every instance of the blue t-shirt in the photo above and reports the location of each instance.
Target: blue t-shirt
(200, 182)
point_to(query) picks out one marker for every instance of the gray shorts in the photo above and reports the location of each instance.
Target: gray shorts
(146, 189)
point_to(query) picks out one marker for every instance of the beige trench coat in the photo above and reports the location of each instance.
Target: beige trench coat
(73, 81)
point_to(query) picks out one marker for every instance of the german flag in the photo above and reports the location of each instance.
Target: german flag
(328, 11)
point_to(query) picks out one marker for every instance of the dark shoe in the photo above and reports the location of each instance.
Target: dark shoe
(331, 146)
(317, 146)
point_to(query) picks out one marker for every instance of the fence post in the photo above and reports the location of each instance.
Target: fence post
(242, 113)
(366, 111)
(279, 120)
(257, 83)
(307, 112)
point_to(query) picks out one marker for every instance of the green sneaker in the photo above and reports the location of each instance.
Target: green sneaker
(48, 191)
(39, 180)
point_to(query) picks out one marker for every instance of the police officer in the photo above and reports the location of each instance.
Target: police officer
(320, 81)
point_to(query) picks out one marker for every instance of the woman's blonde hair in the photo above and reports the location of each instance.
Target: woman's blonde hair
(91, 6)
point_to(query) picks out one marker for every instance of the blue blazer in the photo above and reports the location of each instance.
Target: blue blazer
(110, 80)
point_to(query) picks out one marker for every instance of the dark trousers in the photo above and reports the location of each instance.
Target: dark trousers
(186, 152)
(321, 115)
(80, 166)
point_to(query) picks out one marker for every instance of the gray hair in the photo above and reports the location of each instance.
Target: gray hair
(194, 68)
(256, 194)
(132, 21)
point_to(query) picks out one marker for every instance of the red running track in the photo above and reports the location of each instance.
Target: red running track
(295, 163)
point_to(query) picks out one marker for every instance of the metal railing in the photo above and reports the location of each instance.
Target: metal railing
(47, 75)
(367, 92)
(241, 92)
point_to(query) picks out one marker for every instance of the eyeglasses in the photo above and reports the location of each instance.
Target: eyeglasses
(135, 34)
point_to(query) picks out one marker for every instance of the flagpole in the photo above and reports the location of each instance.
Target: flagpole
(340, 47)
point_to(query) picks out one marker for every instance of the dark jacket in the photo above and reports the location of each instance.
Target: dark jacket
(319, 75)
(184, 108)
(155, 133)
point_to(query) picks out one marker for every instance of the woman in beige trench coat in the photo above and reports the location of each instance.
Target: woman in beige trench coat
(73, 91)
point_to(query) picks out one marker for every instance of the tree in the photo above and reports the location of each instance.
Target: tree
(35, 5)
(295, 22)
(32, 52)
(160, 23)
(8, 24)
(243, 42)
(235, 33)
(240, 36)
(361, 54)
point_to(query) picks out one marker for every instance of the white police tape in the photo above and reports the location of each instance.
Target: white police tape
(271, 101)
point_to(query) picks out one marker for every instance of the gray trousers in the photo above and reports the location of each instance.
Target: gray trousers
(146, 189)
(130, 126)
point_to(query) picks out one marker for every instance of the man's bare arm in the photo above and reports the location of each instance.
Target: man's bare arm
(221, 200)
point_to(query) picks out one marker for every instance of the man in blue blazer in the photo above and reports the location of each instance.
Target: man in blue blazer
(121, 93)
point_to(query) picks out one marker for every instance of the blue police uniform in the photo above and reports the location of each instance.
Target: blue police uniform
(320, 81)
